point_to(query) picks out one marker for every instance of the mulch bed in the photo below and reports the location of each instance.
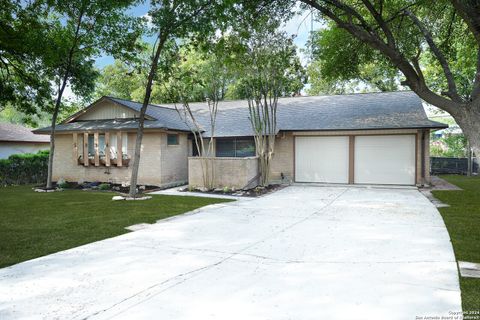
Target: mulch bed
(254, 192)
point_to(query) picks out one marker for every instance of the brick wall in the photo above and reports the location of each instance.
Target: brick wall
(228, 172)
(159, 166)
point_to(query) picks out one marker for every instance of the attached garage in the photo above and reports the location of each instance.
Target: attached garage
(385, 159)
(360, 159)
(321, 159)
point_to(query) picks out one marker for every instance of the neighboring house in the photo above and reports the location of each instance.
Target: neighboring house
(375, 138)
(17, 139)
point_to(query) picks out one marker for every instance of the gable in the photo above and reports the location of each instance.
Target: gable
(105, 110)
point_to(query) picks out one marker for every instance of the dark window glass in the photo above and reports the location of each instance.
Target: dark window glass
(225, 148)
(91, 145)
(195, 152)
(172, 139)
(235, 147)
(245, 148)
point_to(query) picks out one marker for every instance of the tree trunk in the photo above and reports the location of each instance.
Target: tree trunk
(52, 132)
(468, 119)
(141, 119)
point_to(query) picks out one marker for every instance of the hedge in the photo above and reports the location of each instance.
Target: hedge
(26, 168)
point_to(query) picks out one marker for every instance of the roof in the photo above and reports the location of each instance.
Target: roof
(17, 133)
(366, 111)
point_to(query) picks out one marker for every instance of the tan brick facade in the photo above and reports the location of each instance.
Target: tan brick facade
(160, 165)
(228, 172)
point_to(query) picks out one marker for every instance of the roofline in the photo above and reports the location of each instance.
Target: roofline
(24, 141)
(150, 104)
(367, 129)
(84, 110)
(42, 132)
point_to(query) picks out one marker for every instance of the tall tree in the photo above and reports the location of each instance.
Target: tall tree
(23, 83)
(270, 68)
(172, 20)
(434, 44)
(82, 30)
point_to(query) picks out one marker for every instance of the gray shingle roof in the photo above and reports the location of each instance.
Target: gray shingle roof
(389, 110)
(18, 133)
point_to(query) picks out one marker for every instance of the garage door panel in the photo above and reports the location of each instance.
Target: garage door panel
(385, 159)
(321, 159)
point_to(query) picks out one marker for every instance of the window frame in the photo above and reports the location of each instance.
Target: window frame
(235, 150)
(177, 136)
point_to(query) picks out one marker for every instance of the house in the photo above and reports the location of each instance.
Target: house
(374, 138)
(18, 139)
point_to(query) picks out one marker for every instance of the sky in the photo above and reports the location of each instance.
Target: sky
(300, 25)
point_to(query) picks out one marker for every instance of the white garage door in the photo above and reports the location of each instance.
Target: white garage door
(321, 159)
(385, 159)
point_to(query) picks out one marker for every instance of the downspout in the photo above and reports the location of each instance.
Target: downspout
(422, 154)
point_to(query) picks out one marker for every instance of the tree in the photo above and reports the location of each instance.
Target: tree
(80, 31)
(24, 85)
(174, 20)
(269, 68)
(204, 79)
(119, 80)
(346, 65)
(435, 45)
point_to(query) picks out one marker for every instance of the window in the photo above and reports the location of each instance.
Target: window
(225, 148)
(235, 147)
(172, 139)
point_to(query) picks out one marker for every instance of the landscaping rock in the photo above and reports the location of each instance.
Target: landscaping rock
(44, 190)
(117, 198)
(469, 269)
(139, 226)
(138, 198)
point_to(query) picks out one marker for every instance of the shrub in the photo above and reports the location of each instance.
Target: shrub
(104, 186)
(24, 168)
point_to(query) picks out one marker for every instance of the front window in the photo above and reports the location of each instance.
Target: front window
(235, 147)
(172, 139)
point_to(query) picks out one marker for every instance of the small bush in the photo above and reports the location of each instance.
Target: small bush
(104, 186)
(26, 168)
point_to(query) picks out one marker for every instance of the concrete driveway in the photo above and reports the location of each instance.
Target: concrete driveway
(304, 252)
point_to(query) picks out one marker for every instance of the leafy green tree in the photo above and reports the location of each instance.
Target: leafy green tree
(347, 65)
(435, 45)
(82, 30)
(119, 80)
(172, 20)
(23, 83)
(268, 68)
(451, 145)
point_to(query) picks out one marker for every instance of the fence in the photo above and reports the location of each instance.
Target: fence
(441, 165)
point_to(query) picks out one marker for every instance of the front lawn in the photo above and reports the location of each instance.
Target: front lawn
(36, 224)
(463, 223)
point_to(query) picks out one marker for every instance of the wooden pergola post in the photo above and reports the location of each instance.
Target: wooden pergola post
(85, 150)
(75, 148)
(119, 149)
(95, 145)
(107, 149)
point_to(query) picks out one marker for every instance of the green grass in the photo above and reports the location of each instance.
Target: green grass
(462, 219)
(35, 224)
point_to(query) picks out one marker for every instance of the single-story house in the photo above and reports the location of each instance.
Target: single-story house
(371, 138)
(16, 139)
